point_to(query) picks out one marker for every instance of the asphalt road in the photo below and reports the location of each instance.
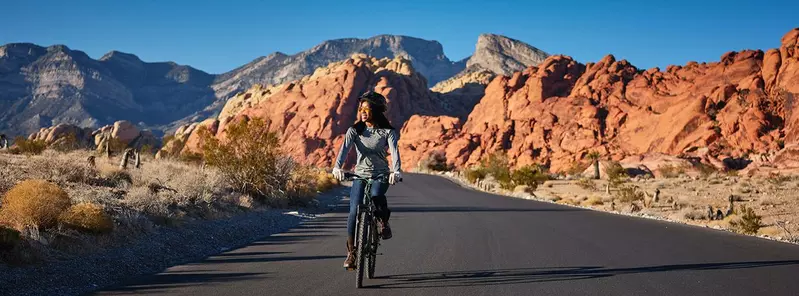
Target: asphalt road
(449, 240)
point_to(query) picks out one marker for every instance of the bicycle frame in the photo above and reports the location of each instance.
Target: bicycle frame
(366, 238)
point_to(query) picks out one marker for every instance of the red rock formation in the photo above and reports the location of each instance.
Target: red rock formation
(313, 113)
(553, 114)
(556, 113)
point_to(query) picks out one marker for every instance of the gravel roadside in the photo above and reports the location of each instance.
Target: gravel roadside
(165, 247)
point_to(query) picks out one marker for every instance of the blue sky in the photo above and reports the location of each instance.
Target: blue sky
(217, 36)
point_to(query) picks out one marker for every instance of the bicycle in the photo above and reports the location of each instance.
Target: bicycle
(367, 239)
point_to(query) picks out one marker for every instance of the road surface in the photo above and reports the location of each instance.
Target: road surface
(449, 240)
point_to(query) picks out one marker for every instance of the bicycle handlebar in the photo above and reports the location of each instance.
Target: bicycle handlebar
(350, 176)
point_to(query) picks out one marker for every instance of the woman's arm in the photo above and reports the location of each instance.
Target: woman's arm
(349, 139)
(393, 139)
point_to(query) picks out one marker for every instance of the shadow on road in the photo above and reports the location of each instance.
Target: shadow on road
(533, 275)
(478, 209)
(172, 280)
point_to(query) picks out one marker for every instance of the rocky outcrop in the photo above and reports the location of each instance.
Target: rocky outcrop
(312, 113)
(123, 132)
(64, 134)
(557, 112)
(502, 55)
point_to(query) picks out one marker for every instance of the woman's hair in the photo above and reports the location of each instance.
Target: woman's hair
(378, 119)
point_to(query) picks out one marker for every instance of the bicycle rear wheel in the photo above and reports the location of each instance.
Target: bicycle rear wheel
(363, 244)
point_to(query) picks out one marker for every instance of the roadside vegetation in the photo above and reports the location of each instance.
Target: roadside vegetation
(60, 203)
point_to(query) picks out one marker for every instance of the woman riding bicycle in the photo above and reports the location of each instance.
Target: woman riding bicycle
(370, 135)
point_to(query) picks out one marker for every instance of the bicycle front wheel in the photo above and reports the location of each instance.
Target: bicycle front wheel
(371, 259)
(362, 248)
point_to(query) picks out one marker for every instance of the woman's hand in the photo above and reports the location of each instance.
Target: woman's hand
(394, 177)
(338, 174)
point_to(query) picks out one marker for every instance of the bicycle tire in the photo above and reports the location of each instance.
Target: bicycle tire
(372, 258)
(363, 240)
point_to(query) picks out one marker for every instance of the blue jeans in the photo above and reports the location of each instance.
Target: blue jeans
(378, 198)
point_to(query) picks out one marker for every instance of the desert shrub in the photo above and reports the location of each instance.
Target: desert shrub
(8, 238)
(497, 166)
(250, 158)
(670, 170)
(87, 217)
(325, 181)
(586, 183)
(34, 202)
(748, 222)
(472, 174)
(115, 177)
(705, 170)
(301, 188)
(60, 168)
(693, 214)
(777, 178)
(629, 193)
(150, 204)
(28, 147)
(435, 161)
(616, 174)
(531, 176)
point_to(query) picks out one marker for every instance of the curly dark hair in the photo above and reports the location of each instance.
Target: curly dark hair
(379, 118)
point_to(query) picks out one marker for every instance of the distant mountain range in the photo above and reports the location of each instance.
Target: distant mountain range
(45, 86)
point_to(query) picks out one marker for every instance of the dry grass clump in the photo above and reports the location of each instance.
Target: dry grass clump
(87, 217)
(301, 188)
(36, 203)
(62, 167)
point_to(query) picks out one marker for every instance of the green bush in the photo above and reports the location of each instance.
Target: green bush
(748, 223)
(250, 159)
(616, 174)
(475, 173)
(531, 176)
(629, 193)
(497, 166)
